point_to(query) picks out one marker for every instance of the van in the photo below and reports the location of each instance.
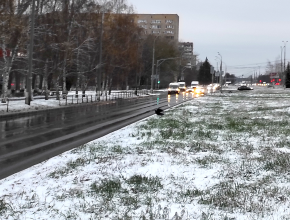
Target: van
(194, 84)
(182, 86)
(173, 88)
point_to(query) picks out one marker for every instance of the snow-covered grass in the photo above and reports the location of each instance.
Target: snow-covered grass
(224, 156)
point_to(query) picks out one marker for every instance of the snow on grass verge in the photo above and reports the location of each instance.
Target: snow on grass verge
(216, 157)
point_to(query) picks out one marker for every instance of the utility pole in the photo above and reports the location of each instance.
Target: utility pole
(100, 58)
(212, 73)
(284, 78)
(28, 97)
(152, 72)
(281, 59)
(221, 74)
(217, 69)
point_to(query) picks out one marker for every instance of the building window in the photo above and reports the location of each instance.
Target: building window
(143, 26)
(169, 32)
(155, 32)
(169, 21)
(156, 22)
(169, 26)
(170, 37)
(156, 26)
(142, 21)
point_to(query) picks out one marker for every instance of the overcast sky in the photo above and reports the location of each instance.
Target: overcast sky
(247, 33)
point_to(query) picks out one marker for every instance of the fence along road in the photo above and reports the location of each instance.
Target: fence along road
(26, 141)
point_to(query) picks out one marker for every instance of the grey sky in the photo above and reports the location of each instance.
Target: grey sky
(247, 33)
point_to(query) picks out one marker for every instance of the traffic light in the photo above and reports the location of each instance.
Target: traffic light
(158, 81)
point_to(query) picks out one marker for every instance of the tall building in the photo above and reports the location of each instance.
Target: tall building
(166, 25)
(186, 49)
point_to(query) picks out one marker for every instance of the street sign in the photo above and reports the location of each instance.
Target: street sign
(217, 73)
(211, 70)
(274, 75)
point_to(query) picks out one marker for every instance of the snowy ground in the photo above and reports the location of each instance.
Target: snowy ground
(222, 156)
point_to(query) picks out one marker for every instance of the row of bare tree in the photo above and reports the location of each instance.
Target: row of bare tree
(79, 44)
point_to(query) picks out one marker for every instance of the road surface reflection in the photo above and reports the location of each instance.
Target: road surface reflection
(174, 99)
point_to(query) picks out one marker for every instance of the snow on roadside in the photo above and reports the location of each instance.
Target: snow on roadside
(216, 157)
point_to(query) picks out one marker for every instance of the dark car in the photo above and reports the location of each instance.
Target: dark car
(245, 88)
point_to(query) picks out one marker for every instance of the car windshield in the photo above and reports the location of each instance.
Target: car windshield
(173, 86)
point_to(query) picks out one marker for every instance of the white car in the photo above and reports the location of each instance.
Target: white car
(173, 88)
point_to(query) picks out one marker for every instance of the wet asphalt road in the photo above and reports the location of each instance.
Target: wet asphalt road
(31, 139)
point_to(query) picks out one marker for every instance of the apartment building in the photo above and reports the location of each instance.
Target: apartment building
(186, 49)
(166, 25)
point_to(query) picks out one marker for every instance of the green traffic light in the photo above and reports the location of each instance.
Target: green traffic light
(158, 81)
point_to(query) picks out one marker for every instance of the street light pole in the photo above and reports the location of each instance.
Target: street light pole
(159, 62)
(217, 67)
(221, 67)
(99, 78)
(284, 77)
(281, 47)
(152, 73)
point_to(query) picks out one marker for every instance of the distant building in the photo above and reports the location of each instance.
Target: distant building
(166, 25)
(186, 50)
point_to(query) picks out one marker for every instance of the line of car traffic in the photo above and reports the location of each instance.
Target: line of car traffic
(177, 87)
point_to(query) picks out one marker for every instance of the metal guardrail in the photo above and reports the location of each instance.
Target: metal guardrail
(80, 98)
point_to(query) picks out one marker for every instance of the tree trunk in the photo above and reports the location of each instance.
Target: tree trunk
(103, 85)
(84, 85)
(107, 84)
(7, 69)
(78, 75)
(17, 82)
(57, 87)
(45, 79)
